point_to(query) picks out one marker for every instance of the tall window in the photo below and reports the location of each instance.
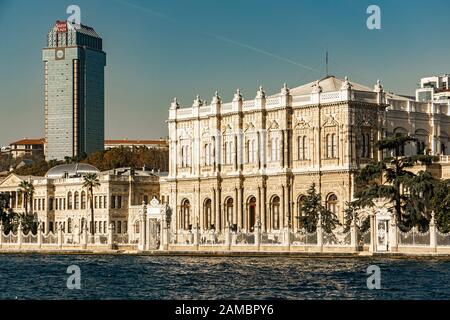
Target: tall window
(69, 225)
(69, 201)
(275, 148)
(331, 146)
(228, 148)
(366, 145)
(275, 213)
(332, 203)
(76, 201)
(185, 156)
(185, 214)
(208, 154)
(83, 200)
(229, 211)
(207, 214)
(300, 200)
(302, 148)
(251, 151)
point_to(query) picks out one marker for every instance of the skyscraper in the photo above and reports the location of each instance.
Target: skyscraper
(74, 91)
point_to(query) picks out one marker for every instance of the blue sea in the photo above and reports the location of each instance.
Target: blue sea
(45, 277)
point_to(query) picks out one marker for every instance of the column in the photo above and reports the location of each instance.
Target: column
(257, 235)
(372, 233)
(214, 208)
(85, 236)
(142, 228)
(354, 235)
(264, 218)
(39, 235)
(110, 237)
(283, 207)
(239, 213)
(393, 241)
(258, 217)
(236, 206)
(60, 237)
(433, 231)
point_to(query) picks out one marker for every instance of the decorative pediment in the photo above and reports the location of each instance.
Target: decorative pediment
(273, 125)
(301, 123)
(330, 122)
(227, 129)
(184, 134)
(249, 127)
(12, 181)
(205, 131)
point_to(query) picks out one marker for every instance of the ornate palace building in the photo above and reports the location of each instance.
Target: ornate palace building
(60, 198)
(252, 161)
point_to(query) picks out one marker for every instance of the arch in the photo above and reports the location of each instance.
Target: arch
(185, 216)
(76, 201)
(300, 200)
(69, 201)
(275, 212)
(83, 200)
(251, 209)
(332, 203)
(229, 206)
(207, 214)
(400, 131)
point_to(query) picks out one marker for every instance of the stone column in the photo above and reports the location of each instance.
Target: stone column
(286, 237)
(354, 235)
(227, 236)
(19, 234)
(85, 236)
(60, 237)
(39, 235)
(372, 233)
(433, 231)
(257, 235)
(142, 228)
(110, 237)
(393, 241)
(196, 233)
(239, 206)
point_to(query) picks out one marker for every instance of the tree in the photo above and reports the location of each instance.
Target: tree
(26, 189)
(440, 203)
(385, 178)
(91, 181)
(312, 209)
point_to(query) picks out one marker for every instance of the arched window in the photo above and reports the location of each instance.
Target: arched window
(69, 225)
(83, 200)
(251, 151)
(331, 146)
(208, 154)
(228, 152)
(76, 201)
(185, 214)
(300, 200)
(275, 208)
(251, 214)
(69, 201)
(332, 203)
(275, 148)
(207, 214)
(368, 145)
(229, 211)
(185, 156)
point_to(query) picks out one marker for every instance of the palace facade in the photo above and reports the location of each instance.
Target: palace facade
(251, 161)
(60, 199)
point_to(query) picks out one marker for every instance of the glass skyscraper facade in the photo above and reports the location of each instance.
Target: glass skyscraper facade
(74, 91)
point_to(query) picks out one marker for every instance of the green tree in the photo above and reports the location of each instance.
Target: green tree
(385, 178)
(26, 189)
(440, 203)
(91, 181)
(312, 208)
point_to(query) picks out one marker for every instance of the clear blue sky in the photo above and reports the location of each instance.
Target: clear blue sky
(160, 49)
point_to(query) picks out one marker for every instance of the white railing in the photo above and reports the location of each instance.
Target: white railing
(413, 238)
(443, 239)
(303, 238)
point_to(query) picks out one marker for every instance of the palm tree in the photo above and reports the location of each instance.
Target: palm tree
(91, 181)
(26, 188)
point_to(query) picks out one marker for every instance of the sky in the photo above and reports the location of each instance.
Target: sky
(161, 49)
